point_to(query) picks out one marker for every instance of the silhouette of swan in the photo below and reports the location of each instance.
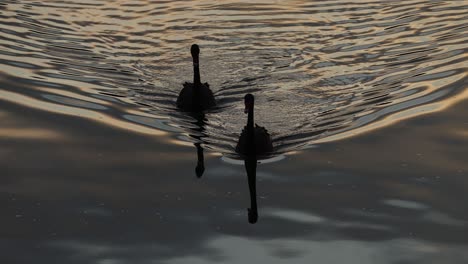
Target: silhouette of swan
(195, 96)
(254, 141)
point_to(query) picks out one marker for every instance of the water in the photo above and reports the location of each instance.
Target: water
(365, 103)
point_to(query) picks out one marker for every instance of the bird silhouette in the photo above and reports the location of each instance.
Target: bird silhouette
(254, 139)
(196, 96)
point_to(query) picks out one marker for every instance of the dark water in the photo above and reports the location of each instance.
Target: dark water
(364, 100)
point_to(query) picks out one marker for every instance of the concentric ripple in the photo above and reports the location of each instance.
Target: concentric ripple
(320, 70)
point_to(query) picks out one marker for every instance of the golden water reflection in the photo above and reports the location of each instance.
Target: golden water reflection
(322, 71)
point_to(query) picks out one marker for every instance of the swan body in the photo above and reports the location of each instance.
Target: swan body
(188, 100)
(196, 96)
(262, 140)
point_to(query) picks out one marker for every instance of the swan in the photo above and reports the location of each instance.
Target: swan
(196, 96)
(254, 139)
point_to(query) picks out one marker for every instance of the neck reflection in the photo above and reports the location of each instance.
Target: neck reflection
(250, 163)
(198, 135)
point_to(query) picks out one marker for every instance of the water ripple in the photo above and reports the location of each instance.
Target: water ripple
(320, 71)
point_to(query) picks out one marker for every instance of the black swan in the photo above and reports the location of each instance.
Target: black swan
(195, 96)
(254, 141)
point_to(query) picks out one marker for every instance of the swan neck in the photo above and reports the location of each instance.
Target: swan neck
(250, 118)
(196, 70)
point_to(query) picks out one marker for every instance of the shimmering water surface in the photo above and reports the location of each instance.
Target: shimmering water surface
(365, 102)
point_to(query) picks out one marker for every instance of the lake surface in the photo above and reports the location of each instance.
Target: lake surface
(365, 102)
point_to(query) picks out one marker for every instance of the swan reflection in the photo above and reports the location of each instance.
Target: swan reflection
(195, 98)
(198, 135)
(200, 168)
(254, 142)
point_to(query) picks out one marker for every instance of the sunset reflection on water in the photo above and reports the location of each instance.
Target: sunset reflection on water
(365, 102)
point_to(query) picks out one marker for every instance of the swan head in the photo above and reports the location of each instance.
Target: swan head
(253, 216)
(249, 102)
(195, 50)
